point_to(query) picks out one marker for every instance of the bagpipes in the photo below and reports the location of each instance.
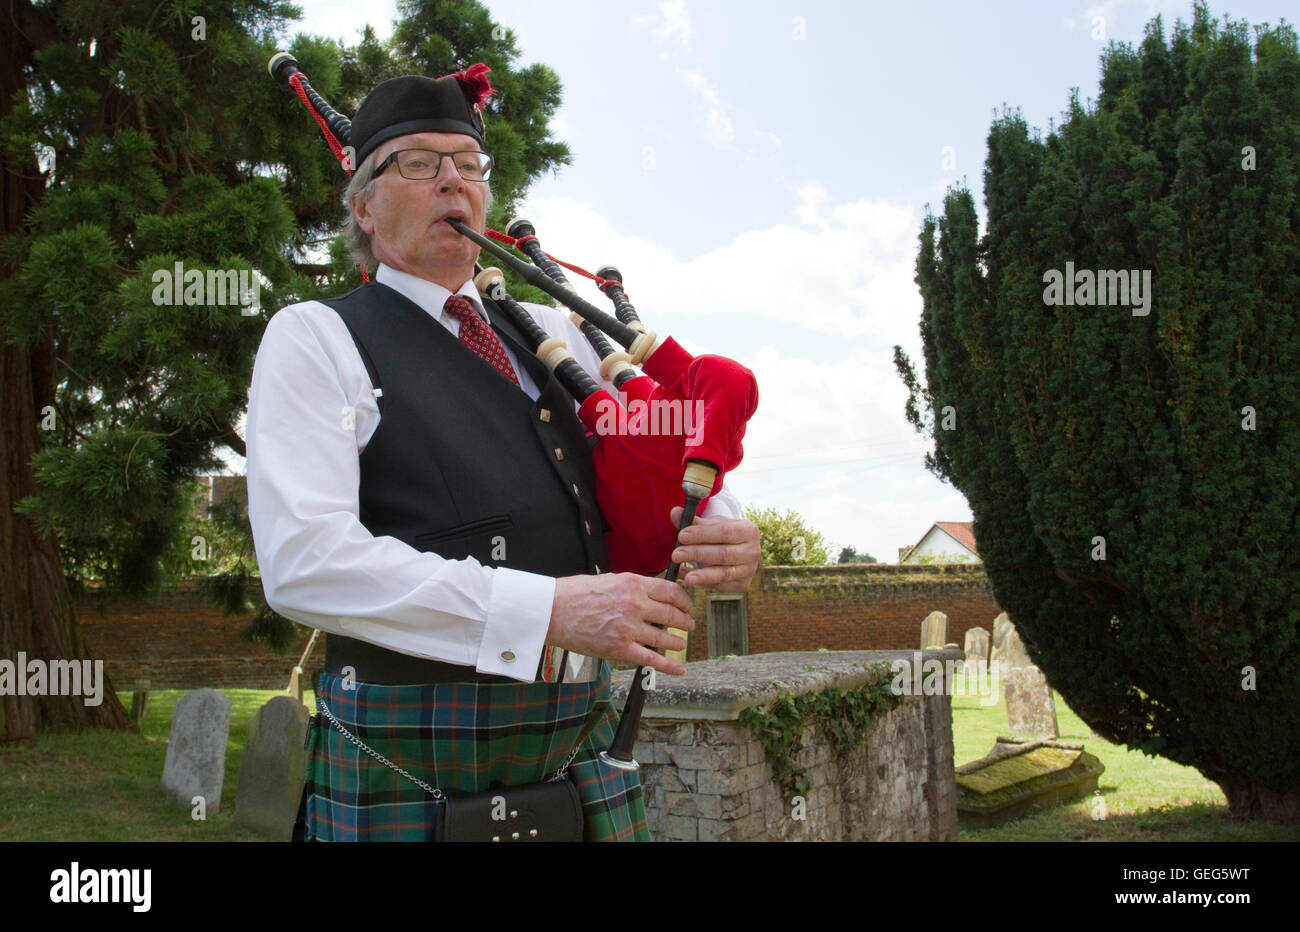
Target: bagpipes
(642, 472)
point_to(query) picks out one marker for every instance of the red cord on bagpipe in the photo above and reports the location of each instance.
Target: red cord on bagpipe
(295, 82)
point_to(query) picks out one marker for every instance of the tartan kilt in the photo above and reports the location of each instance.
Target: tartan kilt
(460, 736)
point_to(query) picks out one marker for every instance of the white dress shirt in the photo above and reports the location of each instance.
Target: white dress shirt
(311, 411)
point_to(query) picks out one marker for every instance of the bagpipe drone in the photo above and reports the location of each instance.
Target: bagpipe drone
(641, 472)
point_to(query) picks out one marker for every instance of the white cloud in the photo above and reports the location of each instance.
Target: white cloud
(672, 24)
(1104, 17)
(829, 438)
(718, 129)
(559, 125)
(845, 271)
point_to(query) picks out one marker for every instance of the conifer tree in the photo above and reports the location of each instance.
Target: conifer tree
(1132, 475)
(134, 137)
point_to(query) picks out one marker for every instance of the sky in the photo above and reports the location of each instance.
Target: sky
(759, 172)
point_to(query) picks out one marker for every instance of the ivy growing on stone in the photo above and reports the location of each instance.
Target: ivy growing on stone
(845, 716)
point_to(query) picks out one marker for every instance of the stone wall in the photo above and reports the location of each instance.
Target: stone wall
(706, 777)
(857, 606)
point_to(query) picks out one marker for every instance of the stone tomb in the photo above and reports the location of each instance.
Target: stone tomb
(196, 751)
(1017, 776)
(275, 762)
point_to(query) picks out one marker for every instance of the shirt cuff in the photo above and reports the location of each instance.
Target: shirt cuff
(518, 617)
(721, 505)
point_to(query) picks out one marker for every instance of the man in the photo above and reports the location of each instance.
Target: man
(421, 490)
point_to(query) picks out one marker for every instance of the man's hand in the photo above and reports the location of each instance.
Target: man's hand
(613, 615)
(729, 547)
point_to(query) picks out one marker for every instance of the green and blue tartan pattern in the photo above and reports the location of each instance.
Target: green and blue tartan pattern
(461, 736)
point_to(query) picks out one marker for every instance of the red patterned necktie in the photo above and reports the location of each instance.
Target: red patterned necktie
(479, 337)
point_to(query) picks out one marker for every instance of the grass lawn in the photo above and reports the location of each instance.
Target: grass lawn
(1146, 798)
(105, 786)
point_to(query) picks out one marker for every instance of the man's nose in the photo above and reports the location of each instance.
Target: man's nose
(448, 178)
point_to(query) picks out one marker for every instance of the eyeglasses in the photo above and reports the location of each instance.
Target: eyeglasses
(423, 164)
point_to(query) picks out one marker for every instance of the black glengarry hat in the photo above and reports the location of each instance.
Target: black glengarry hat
(416, 104)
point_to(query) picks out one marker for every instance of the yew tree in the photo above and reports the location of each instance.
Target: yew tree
(1132, 472)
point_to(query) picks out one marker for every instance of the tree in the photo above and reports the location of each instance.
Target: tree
(849, 555)
(1132, 475)
(785, 540)
(136, 136)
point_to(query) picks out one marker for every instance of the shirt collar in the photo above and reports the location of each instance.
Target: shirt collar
(430, 297)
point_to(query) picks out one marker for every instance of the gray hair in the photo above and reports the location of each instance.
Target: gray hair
(362, 186)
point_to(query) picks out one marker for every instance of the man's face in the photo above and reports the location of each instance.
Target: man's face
(405, 218)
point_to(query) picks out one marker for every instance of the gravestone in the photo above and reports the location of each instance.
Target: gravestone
(275, 764)
(295, 684)
(140, 702)
(1031, 708)
(1013, 651)
(196, 752)
(934, 631)
(977, 644)
(1001, 625)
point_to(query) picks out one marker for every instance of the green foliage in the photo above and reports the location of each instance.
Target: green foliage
(938, 558)
(163, 148)
(785, 540)
(844, 718)
(1080, 425)
(849, 555)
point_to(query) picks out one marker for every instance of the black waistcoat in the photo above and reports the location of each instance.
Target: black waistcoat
(462, 463)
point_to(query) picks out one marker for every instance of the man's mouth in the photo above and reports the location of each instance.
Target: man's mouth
(459, 215)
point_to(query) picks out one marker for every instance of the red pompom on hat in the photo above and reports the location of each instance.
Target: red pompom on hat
(477, 87)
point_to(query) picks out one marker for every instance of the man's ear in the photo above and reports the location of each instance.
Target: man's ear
(361, 210)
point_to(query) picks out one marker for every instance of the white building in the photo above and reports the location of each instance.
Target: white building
(945, 542)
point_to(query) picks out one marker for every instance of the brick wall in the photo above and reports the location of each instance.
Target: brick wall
(181, 641)
(858, 606)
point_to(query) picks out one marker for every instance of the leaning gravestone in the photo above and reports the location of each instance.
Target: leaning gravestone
(1013, 651)
(196, 752)
(1031, 709)
(1001, 626)
(275, 762)
(934, 631)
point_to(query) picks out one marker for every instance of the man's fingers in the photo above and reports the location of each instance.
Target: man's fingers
(661, 640)
(713, 577)
(716, 554)
(669, 593)
(667, 616)
(718, 530)
(648, 658)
